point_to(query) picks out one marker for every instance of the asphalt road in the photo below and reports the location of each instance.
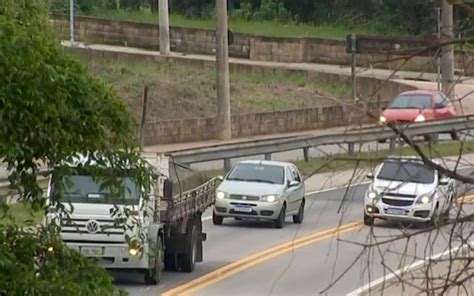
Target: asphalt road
(310, 269)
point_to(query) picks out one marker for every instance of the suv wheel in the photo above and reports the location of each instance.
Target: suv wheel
(217, 220)
(368, 220)
(435, 217)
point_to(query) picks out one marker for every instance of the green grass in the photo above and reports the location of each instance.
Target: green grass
(344, 161)
(185, 91)
(21, 213)
(265, 28)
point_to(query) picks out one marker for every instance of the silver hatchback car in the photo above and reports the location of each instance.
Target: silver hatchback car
(261, 190)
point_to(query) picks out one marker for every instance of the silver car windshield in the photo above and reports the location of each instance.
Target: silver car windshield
(406, 172)
(86, 189)
(262, 173)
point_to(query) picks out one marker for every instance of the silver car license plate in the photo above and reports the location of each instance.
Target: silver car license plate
(243, 209)
(92, 251)
(396, 211)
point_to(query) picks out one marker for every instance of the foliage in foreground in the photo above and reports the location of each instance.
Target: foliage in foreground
(50, 109)
(39, 264)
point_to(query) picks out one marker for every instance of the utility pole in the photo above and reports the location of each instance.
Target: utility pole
(447, 51)
(143, 118)
(71, 21)
(164, 27)
(438, 59)
(353, 67)
(222, 71)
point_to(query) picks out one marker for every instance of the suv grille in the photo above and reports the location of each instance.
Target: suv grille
(390, 194)
(397, 202)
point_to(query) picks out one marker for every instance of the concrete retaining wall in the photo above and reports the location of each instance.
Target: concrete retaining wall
(261, 48)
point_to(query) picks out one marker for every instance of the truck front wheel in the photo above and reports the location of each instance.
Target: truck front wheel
(154, 275)
(188, 259)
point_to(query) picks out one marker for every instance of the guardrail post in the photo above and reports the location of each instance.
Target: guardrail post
(351, 148)
(306, 154)
(392, 143)
(227, 165)
(268, 156)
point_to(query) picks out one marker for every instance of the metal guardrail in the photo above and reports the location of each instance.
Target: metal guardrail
(351, 137)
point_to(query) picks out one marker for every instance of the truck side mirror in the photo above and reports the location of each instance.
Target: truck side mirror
(220, 178)
(370, 176)
(168, 189)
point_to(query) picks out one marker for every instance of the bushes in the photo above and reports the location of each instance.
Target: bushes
(389, 15)
(407, 16)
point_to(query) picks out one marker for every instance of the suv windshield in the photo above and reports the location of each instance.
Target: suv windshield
(412, 172)
(272, 174)
(87, 189)
(411, 102)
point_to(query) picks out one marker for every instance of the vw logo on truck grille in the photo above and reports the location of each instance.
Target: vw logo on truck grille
(92, 226)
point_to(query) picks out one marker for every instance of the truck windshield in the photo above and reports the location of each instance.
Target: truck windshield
(406, 172)
(86, 189)
(257, 173)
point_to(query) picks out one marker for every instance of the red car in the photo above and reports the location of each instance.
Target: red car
(418, 106)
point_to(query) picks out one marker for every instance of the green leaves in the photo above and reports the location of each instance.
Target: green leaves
(51, 110)
(37, 263)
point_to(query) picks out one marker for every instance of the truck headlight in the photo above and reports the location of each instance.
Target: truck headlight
(382, 119)
(221, 195)
(425, 199)
(269, 198)
(420, 118)
(133, 251)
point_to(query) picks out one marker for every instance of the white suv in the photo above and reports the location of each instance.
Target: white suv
(404, 188)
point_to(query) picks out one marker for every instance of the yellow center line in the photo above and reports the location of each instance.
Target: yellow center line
(465, 199)
(260, 257)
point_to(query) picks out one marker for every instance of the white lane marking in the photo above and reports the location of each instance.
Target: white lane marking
(404, 269)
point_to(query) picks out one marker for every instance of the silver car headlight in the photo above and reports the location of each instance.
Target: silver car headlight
(269, 198)
(222, 195)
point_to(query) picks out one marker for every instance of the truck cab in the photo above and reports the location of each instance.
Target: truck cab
(143, 230)
(405, 189)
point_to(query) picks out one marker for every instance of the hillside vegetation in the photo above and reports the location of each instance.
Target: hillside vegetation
(293, 18)
(182, 91)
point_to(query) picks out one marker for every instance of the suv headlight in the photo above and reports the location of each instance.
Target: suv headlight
(221, 194)
(424, 199)
(269, 198)
(372, 194)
